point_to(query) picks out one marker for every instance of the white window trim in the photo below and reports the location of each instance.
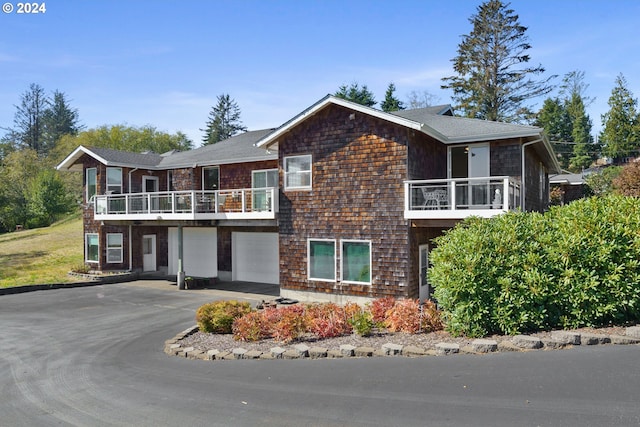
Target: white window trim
(108, 186)
(335, 257)
(121, 249)
(300, 187)
(146, 178)
(342, 260)
(203, 177)
(253, 172)
(86, 247)
(86, 182)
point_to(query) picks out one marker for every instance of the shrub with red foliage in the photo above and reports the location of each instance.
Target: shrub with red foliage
(408, 316)
(628, 181)
(379, 308)
(327, 320)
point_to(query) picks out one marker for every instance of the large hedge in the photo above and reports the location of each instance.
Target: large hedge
(575, 265)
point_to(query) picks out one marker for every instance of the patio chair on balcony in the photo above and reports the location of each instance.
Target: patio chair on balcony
(435, 198)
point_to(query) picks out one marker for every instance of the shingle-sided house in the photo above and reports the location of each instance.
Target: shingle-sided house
(340, 202)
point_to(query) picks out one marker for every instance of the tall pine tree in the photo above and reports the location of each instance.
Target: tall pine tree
(620, 136)
(492, 80)
(355, 93)
(224, 121)
(59, 119)
(29, 119)
(391, 103)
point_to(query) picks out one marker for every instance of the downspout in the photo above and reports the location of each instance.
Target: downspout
(130, 227)
(130, 248)
(523, 174)
(130, 172)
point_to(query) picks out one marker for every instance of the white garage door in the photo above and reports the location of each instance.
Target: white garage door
(255, 257)
(199, 250)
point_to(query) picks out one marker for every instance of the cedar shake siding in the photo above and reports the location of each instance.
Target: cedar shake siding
(427, 158)
(358, 169)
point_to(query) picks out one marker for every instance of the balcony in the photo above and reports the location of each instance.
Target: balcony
(252, 203)
(460, 198)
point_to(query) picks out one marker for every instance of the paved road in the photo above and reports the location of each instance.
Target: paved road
(93, 356)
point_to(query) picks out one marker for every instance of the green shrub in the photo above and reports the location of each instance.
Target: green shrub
(576, 265)
(218, 316)
(362, 322)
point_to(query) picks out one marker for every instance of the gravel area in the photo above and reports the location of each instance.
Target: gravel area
(204, 341)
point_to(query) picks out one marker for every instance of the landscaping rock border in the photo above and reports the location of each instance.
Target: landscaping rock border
(559, 340)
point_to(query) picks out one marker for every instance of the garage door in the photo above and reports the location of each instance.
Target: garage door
(199, 250)
(255, 257)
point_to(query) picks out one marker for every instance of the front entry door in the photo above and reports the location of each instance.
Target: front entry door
(425, 289)
(149, 252)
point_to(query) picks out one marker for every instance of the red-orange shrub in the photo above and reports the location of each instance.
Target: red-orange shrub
(291, 323)
(251, 327)
(327, 320)
(407, 316)
(380, 307)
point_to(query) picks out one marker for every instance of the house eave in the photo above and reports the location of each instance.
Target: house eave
(271, 140)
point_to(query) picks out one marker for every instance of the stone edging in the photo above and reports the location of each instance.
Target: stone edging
(559, 340)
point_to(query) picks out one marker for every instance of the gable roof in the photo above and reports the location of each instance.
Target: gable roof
(110, 157)
(432, 121)
(237, 149)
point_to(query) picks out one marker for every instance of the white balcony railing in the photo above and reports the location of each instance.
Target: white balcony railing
(251, 203)
(460, 198)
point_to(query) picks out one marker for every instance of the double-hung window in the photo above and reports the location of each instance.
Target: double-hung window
(114, 180)
(91, 247)
(356, 261)
(114, 247)
(91, 183)
(297, 172)
(321, 259)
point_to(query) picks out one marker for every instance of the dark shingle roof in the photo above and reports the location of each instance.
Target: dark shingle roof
(125, 158)
(237, 149)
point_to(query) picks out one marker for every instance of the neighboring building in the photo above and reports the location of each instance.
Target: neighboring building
(341, 202)
(570, 187)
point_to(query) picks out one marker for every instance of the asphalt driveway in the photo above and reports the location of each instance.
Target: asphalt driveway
(94, 356)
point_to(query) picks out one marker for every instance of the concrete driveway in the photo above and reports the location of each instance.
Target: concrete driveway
(93, 357)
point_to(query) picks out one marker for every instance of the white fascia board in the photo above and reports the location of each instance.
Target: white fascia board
(68, 162)
(272, 138)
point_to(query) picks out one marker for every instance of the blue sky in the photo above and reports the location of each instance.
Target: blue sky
(163, 63)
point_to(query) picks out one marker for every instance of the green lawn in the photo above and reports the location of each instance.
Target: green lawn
(43, 255)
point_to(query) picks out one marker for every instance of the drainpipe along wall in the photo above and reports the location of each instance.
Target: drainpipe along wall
(523, 193)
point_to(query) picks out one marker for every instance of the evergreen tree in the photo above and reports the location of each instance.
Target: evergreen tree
(357, 94)
(224, 121)
(620, 136)
(59, 119)
(492, 80)
(555, 120)
(29, 118)
(391, 103)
